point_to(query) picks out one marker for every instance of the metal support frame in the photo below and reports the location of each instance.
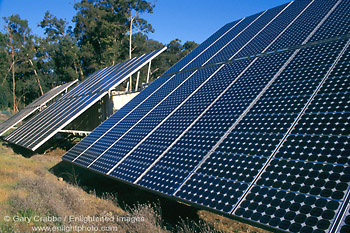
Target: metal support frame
(137, 81)
(149, 70)
(127, 87)
(74, 132)
(130, 82)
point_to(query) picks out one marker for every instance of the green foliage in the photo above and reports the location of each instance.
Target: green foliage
(58, 51)
(99, 38)
(101, 27)
(5, 96)
(20, 48)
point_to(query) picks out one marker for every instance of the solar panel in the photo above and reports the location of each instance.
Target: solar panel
(34, 106)
(48, 122)
(253, 124)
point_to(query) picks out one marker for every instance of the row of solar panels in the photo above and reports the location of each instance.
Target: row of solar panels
(265, 139)
(44, 125)
(36, 105)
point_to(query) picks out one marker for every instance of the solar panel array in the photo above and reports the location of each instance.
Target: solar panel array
(253, 124)
(34, 106)
(48, 122)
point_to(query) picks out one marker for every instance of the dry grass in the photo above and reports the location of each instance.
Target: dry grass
(28, 189)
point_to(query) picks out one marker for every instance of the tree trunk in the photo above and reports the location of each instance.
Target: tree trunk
(13, 84)
(36, 75)
(13, 71)
(78, 67)
(130, 33)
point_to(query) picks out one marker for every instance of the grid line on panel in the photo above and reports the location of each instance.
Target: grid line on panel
(183, 68)
(251, 104)
(295, 121)
(163, 99)
(298, 193)
(263, 54)
(75, 92)
(155, 128)
(133, 124)
(342, 221)
(200, 49)
(44, 125)
(172, 76)
(38, 119)
(341, 213)
(66, 122)
(247, 43)
(34, 106)
(204, 64)
(43, 121)
(82, 90)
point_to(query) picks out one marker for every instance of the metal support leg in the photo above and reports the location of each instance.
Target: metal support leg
(149, 71)
(130, 83)
(137, 80)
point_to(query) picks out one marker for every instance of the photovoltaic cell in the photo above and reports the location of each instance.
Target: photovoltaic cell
(254, 123)
(47, 123)
(34, 106)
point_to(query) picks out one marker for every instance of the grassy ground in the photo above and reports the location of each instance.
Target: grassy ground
(51, 193)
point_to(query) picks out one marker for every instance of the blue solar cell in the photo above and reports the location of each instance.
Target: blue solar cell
(35, 106)
(312, 162)
(103, 80)
(182, 64)
(337, 24)
(244, 90)
(255, 46)
(152, 120)
(266, 138)
(304, 25)
(44, 125)
(209, 47)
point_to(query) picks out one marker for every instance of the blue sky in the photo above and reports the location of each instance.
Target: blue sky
(187, 20)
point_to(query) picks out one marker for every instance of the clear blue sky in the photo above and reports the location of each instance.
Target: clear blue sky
(187, 20)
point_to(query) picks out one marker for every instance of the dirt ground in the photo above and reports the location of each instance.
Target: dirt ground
(42, 185)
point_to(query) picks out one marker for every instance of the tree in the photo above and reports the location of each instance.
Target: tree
(5, 69)
(101, 27)
(59, 51)
(137, 24)
(106, 32)
(20, 46)
(176, 51)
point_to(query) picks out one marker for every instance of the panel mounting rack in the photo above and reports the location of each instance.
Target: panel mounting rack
(59, 114)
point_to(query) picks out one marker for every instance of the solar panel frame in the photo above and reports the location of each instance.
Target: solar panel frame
(238, 52)
(205, 62)
(36, 105)
(314, 88)
(31, 134)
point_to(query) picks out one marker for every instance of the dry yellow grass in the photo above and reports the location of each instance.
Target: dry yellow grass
(28, 188)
